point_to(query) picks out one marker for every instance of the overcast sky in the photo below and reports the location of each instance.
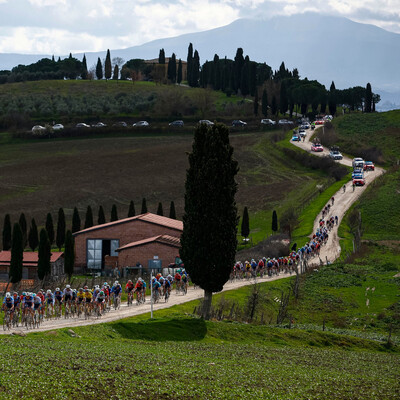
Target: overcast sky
(62, 26)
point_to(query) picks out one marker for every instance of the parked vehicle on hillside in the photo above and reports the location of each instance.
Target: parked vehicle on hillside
(317, 147)
(238, 122)
(267, 121)
(58, 127)
(305, 126)
(335, 154)
(99, 125)
(178, 123)
(121, 124)
(302, 132)
(206, 122)
(38, 128)
(369, 166)
(141, 124)
(296, 138)
(319, 122)
(283, 122)
(82, 125)
(358, 181)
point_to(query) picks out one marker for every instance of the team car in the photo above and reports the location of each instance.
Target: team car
(296, 138)
(369, 166)
(317, 147)
(359, 181)
(335, 153)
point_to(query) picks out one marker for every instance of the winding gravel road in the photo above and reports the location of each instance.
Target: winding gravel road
(330, 251)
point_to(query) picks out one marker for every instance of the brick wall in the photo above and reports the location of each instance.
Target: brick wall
(128, 232)
(143, 253)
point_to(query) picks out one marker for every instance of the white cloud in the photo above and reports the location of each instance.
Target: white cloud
(61, 26)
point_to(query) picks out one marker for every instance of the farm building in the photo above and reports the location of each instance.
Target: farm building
(30, 264)
(126, 242)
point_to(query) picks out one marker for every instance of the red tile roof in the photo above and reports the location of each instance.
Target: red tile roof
(164, 239)
(149, 217)
(30, 258)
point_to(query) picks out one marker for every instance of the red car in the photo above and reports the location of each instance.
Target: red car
(319, 122)
(317, 147)
(359, 181)
(369, 166)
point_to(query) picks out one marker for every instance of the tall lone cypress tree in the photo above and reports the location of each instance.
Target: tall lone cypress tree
(131, 211)
(114, 213)
(50, 228)
(89, 218)
(179, 76)
(33, 236)
(7, 233)
(160, 209)
(84, 74)
(76, 221)
(190, 64)
(368, 98)
(245, 228)
(195, 69)
(210, 220)
(332, 99)
(107, 66)
(264, 103)
(144, 206)
(172, 212)
(17, 254)
(116, 72)
(274, 222)
(69, 255)
(99, 69)
(101, 218)
(44, 254)
(60, 237)
(283, 99)
(172, 68)
(24, 229)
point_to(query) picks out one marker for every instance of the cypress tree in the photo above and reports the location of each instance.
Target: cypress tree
(161, 57)
(33, 236)
(274, 222)
(144, 206)
(101, 218)
(88, 218)
(50, 228)
(264, 103)
(368, 98)
(7, 233)
(238, 67)
(196, 69)
(131, 211)
(244, 78)
(44, 255)
(283, 100)
(332, 99)
(172, 213)
(99, 69)
(116, 72)
(274, 106)
(160, 209)
(210, 221)
(17, 254)
(189, 64)
(255, 109)
(172, 68)
(60, 238)
(76, 221)
(245, 227)
(179, 76)
(107, 66)
(24, 229)
(114, 213)
(69, 255)
(84, 74)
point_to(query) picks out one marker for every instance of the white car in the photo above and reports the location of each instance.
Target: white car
(141, 123)
(267, 121)
(82, 125)
(38, 128)
(99, 125)
(58, 127)
(206, 122)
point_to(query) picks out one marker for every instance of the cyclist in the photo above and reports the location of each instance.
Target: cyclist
(58, 297)
(116, 290)
(167, 286)
(156, 289)
(177, 279)
(80, 297)
(8, 305)
(96, 291)
(28, 304)
(100, 299)
(333, 200)
(130, 288)
(88, 298)
(344, 188)
(41, 296)
(37, 303)
(184, 280)
(336, 219)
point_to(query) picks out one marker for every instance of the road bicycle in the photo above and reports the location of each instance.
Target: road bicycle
(7, 320)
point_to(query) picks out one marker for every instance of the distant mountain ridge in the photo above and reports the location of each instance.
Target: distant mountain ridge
(322, 47)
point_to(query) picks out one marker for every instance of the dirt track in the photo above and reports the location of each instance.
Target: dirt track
(329, 252)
